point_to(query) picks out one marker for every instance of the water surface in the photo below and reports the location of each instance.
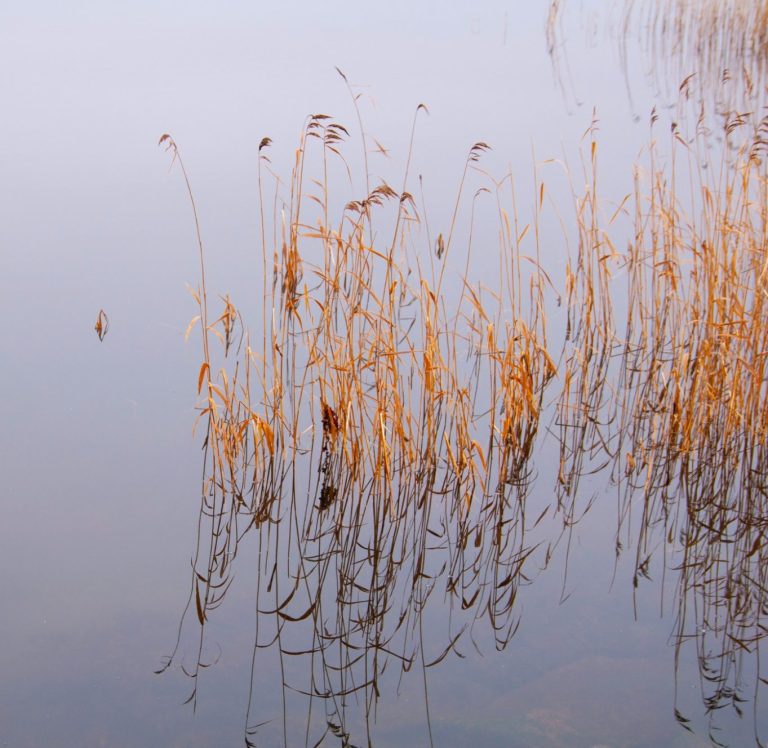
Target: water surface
(102, 471)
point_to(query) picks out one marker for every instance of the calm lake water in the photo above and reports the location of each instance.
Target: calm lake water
(101, 469)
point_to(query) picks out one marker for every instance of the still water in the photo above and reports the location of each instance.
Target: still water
(102, 470)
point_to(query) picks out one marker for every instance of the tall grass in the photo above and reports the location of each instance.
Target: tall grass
(693, 436)
(378, 441)
(673, 401)
(376, 434)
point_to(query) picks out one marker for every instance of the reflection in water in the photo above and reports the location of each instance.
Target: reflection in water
(376, 435)
(718, 47)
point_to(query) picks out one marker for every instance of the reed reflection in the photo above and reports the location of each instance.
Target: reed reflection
(719, 48)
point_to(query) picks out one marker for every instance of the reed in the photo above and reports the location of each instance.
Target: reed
(358, 426)
(673, 403)
(693, 435)
(377, 437)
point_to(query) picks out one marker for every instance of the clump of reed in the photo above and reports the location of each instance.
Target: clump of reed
(373, 435)
(376, 436)
(669, 392)
(693, 436)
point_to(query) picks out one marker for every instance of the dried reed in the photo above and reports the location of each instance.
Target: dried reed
(379, 444)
